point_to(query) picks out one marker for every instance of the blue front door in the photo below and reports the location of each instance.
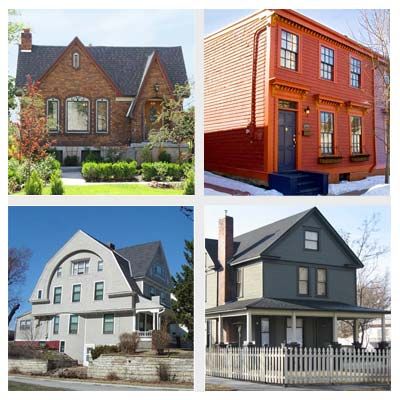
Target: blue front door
(287, 141)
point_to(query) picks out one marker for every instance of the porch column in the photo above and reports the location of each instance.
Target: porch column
(220, 330)
(134, 322)
(334, 329)
(355, 331)
(383, 328)
(294, 336)
(145, 321)
(249, 328)
(154, 321)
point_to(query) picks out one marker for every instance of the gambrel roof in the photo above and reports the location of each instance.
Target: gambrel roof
(125, 66)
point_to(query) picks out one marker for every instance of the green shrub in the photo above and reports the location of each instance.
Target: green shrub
(148, 171)
(15, 176)
(107, 172)
(47, 167)
(146, 155)
(164, 156)
(34, 185)
(89, 171)
(93, 156)
(162, 171)
(71, 161)
(106, 349)
(188, 184)
(56, 184)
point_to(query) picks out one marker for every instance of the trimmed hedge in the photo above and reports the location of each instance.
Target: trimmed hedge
(162, 171)
(108, 172)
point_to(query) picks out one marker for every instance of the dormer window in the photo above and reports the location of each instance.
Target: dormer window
(75, 60)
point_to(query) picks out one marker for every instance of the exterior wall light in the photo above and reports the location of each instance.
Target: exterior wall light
(307, 110)
(156, 87)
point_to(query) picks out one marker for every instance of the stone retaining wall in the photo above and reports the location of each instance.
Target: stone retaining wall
(147, 369)
(37, 366)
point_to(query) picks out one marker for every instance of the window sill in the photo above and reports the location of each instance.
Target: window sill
(359, 157)
(330, 159)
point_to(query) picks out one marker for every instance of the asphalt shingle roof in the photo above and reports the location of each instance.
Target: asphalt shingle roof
(124, 65)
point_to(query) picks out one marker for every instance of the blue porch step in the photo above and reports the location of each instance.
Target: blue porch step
(299, 183)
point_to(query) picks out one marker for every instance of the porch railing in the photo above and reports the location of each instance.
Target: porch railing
(145, 334)
(282, 365)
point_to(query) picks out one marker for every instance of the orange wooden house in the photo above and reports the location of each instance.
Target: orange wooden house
(285, 95)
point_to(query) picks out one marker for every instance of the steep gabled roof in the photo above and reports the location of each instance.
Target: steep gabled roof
(123, 65)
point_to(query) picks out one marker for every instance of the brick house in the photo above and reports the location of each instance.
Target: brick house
(284, 93)
(99, 97)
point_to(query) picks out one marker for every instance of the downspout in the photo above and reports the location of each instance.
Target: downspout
(251, 127)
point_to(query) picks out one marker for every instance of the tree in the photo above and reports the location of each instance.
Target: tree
(177, 123)
(12, 99)
(373, 286)
(18, 264)
(14, 28)
(183, 291)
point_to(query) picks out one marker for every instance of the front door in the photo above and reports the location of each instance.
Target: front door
(87, 357)
(287, 141)
(152, 110)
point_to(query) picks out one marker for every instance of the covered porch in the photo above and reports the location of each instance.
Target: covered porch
(147, 321)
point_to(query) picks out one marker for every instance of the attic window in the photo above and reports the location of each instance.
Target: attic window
(311, 240)
(75, 60)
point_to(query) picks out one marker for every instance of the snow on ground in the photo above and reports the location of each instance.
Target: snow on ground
(232, 184)
(378, 190)
(212, 192)
(364, 184)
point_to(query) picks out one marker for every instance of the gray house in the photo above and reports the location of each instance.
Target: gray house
(89, 293)
(284, 283)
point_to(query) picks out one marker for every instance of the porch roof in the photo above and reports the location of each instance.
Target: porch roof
(265, 303)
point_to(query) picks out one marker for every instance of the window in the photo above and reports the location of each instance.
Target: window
(39, 294)
(311, 240)
(164, 298)
(327, 63)
(56, 324)
(98, 290)
(77, 114)
(264, 331)
(355, 122)
(303, 281)
(62, 346)
(25, 324)
(287, 104)
(76, 293)
(152, 291)
(102, 116)
(355, 72)
(327, 129)
(108, 323)
(158, 270)
(299, 331)
(58, 272)
(75, 60)
(53, 113)
(100, 266)
(239, 282)
(321, 282)
(80, 267)
(73, 324)
(289, 50)
(57, 295)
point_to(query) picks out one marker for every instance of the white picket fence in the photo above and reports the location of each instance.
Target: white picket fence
(281, 365)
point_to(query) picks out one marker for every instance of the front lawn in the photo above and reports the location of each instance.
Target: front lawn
(114, 189)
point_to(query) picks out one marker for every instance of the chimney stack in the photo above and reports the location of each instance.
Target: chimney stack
(111, 246)
(26, 40)
(225, 253)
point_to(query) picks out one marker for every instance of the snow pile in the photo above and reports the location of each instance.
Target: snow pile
(378, 190)
(364, 184)
(231, 184)
(212, 192)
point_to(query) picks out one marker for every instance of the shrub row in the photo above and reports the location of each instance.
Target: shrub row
(107, 172)
(163, 171)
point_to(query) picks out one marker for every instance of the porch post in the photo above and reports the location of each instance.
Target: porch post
(249, 328)
(154, 321)
(294, 336)
(334, 329)
(145, 321)
(383, 328)
(134, 322)
(356, 335)
(220, 330)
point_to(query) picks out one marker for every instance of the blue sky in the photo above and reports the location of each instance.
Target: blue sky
(45, 229)
(111, 28)
(344, 21)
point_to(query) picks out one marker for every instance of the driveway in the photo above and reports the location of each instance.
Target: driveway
(86, 385)
(214, 383)
(72, 176)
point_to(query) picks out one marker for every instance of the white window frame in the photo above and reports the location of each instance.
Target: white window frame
(51, 99)
(77, 262)
(39, 294)
(113, 330)
(303, 280)
(59, 272)
(325, 282)
(94, 290)
(100, 262)
(54, 291)
(72, 292)
(69, 324)
(107, 120)
(76, 98)
(299, 330)
(24, 322)
(239, 283)
(54, 324)
(308, 240)
(76, 60)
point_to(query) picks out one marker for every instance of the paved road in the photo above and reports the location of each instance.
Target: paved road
(85, 385)
(231, 384)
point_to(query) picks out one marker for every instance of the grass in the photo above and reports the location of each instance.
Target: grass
(18, 386)
(115, 189)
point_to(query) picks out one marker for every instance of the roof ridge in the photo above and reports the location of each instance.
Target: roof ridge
(137, 245)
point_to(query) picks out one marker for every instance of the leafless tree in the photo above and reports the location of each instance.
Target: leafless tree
(373, 284)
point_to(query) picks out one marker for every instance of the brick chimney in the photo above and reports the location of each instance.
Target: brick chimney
(225, 252)
(26, 40)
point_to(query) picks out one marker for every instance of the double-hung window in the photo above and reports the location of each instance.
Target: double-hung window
(326, 132)
(100, 266)
(53, 114)
(101, 116)
(303, 281)
(327, 63)
(239, 282)
(321, 282)
(78, 114)
(99, 290)
(56, 324)
(356, 130)
(25, 324)
(80, 267)
(57, 295)
(73, 324)
(289, 50)
(311, 240)
(108, 323)
(76, 293)
(355, 72)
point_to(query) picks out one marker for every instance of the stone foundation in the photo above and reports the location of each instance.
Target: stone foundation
(37, 366)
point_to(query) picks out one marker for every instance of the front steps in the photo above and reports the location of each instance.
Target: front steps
(299, 183)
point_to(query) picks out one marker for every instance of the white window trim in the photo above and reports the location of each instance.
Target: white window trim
(109, 333)
(79, 98)
(72, 292)
(76, 56)
(98, 262)
(58, 113)
(53, 325)
(108, 105)
(94, 290)
(40, 291)
(59, 269)
(69, 325)
(54, 290)
(310, 240)
(79, 260)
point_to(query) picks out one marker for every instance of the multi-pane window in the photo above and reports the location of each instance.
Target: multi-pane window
(76, 293)
(355, 72)
(299, 331)
(77, 114)
(73, 324)
(102, 116)
(326, 132)
(355, 122)
(321, 282)
(56, 324)
(53, 113)
(80, 267)
(108, 323)
(100, 266)
(327, 63)
(303, 281)
(57, 295)
(311, 240)
(25, 324)
(289, 50)
(99, 290)
(239, 282)
(58, 272)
